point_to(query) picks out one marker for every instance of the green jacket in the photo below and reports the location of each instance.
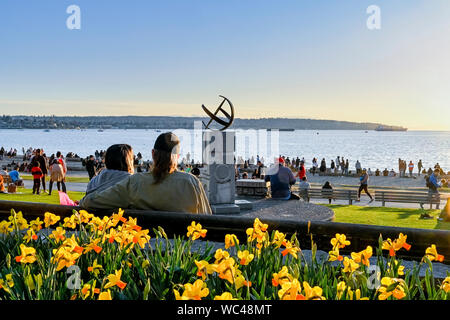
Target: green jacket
(178, 192)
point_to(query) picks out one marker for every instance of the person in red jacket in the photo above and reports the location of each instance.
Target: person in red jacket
(37, 176)
(301, 171)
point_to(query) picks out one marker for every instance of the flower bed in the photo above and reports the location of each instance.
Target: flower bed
(87, 257)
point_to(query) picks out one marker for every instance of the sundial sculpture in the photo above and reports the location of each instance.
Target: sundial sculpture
(218, 176)
(214, 117)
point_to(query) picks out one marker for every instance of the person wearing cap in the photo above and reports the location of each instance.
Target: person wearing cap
(162, 189)
(281, 178)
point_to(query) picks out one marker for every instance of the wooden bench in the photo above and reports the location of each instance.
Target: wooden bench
(335, 194)
(408, 197)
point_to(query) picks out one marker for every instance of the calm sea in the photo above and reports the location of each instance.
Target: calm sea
(373, 149)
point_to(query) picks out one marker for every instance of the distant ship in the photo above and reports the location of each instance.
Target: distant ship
(281, 129)
(388, 128)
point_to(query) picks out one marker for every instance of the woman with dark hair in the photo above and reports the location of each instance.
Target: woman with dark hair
(327, 191)
(162, 189)
(119, 165)
(56, 175)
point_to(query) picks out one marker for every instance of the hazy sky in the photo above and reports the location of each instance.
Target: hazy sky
(290, 58)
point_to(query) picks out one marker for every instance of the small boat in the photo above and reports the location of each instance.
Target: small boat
(47, 130)
(158, 130)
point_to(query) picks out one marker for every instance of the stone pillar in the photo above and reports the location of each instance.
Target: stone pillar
(218, 177)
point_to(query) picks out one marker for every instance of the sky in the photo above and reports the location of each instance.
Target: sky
(290, 58)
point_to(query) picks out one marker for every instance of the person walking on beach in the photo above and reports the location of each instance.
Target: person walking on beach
(411, 168)
(37, 176)
(301, 171)
(364, 181)
(346, 167)
(358, 167)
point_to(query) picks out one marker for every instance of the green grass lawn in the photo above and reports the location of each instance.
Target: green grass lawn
(68, 178)
(26, 195)
(394, 217)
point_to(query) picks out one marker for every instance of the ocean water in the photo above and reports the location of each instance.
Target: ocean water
(373, 149)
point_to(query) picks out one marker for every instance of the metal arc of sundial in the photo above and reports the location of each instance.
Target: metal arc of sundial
(214, 117)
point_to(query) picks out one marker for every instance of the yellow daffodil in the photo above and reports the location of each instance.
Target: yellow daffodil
(357, 295)
(114, 280)
(93, 246)
(240, 282)
(118, 217)
(281, 277)
(195, 231)
(314, 293)
(221, 255)
(391, 287)
(71, 222)
(446, 285)
(85, 216)
(230, 240)
(291, 249)
(334, 255)
(432, 254)
(340, 241)
(6, 227)
(7, 283)
(204, 268)
(278, 238)
(245, 256)
(28, 254)
(225, 296)
(397, 244)
(50, 219)
(89, 290)
(363, 256)
(30, 235)
(141, 237)
(227, 270)
(340, 289)
(350, 265)
(36, 224)
(95, 269)
(105, 295)
(291, 291)
(58, 235)
(195, 291)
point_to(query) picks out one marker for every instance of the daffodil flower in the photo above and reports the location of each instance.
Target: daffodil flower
(95, 269)
(350, 265)
(225, 296)
(446, 285)
(245, 256)
(312, 293)
(195, 231)
(340, 241)
(230, 240)
(105, 295)
(195, 291)
(291, 291)
(291, 249)
(28, 254)
(204, 268)
(391, 287)
(50, 219)
(432, 254)
(363, 256)
(114, 280)
(281, 277)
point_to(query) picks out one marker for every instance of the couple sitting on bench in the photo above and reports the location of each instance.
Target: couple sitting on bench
(163, 189)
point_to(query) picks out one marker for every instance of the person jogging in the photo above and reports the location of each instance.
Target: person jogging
(364, 180)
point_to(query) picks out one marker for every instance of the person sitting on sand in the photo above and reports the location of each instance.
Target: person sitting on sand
(281, 178)
(385, 172)
(162, 189)
(119, 165)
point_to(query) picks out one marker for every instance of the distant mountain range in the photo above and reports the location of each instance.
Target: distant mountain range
(159, 122)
